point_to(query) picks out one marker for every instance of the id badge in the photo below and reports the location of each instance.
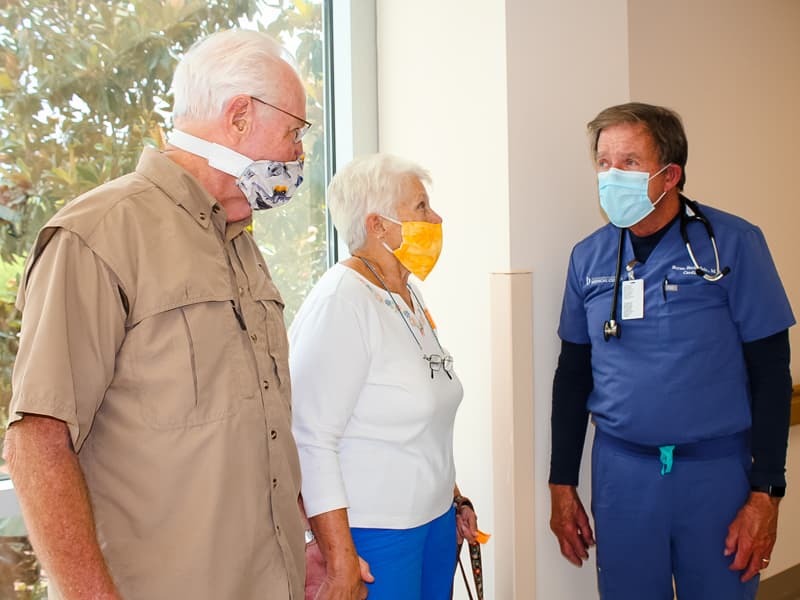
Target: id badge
(632, 299)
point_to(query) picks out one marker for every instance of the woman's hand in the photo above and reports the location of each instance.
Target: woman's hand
(322, 586)
(342, 587)
(466, 521)
(334, 570)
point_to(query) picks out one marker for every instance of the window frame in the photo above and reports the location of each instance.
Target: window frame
(352, 87)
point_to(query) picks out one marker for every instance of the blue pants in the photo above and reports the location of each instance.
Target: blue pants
(652, 527)
(410, 564)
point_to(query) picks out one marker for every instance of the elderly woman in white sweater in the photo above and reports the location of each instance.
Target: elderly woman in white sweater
(374, 396)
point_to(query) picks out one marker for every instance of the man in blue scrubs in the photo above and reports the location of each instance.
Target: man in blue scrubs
(681, 356)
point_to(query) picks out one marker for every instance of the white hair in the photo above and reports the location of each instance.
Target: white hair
(222, 65)
(369, 184)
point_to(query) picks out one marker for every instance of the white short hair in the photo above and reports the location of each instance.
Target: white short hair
(369, 184)
(222, 65)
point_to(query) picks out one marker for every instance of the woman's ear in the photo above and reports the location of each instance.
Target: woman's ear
(375, 226)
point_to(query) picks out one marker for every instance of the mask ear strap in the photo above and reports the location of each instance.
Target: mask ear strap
(385, 245)
(219, 157)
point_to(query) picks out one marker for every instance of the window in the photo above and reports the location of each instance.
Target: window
(83, 87)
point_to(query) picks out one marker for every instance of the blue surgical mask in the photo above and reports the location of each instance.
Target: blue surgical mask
(623, 195)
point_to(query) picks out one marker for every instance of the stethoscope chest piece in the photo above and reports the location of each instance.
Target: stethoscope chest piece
(611, 329)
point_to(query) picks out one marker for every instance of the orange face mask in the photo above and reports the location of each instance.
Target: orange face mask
(420, 248)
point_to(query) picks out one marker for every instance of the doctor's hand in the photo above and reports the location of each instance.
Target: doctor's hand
(752, 535)
(570, 524)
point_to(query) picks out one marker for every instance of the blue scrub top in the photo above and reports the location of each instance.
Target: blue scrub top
(677, 375)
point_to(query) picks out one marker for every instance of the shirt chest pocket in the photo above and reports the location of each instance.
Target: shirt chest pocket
(191, 367)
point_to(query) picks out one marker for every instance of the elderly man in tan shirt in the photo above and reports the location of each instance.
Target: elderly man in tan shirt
(150, 442)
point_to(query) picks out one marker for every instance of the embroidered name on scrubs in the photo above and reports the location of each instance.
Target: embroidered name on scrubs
(691, 270)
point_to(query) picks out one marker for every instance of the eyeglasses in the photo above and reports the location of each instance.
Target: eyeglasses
(437, 363)
(300, 131)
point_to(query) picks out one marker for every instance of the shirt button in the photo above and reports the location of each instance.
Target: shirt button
(215, 208)
(202, 216)
(274, 483)
(266, 384)
(273, 434)
(253, 337)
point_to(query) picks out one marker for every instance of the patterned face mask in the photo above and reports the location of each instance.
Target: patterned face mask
(270, 183)
(265, 183)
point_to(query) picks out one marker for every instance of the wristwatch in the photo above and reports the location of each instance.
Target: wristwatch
(309, 536)
(774, 491)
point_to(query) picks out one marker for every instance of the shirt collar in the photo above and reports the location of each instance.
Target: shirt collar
(187, 192)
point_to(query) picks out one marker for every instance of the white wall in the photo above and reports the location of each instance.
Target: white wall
(558, 79)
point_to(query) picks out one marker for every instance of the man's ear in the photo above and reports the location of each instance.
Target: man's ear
(673, 176)
(238, 116)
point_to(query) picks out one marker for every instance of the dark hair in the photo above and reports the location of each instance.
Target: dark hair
(664, 125)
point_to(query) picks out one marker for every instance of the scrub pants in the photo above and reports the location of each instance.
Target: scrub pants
(410, 564)
(650, 527)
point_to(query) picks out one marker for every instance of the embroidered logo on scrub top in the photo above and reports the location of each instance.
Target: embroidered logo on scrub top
(598, 280)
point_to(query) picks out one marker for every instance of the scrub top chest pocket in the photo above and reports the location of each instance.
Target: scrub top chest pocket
(696, 311)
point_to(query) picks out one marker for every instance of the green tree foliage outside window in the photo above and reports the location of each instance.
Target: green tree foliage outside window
(84, 86)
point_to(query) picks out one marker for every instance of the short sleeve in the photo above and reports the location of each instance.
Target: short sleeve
(758, 302)
(73, 324)
(329, 360)
(572, 326)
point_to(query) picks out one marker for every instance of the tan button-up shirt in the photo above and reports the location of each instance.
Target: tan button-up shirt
(153, 329)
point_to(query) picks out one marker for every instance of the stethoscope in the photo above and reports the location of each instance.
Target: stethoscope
(690, 211)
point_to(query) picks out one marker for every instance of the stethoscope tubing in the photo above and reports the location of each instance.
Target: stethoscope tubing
(612, 328)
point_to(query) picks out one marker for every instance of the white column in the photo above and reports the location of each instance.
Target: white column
(512, 433)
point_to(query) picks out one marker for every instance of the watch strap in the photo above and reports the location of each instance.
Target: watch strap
(774, 491)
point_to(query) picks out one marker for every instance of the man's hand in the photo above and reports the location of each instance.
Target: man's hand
(570, 524)
(315, 570)
(752, 535)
